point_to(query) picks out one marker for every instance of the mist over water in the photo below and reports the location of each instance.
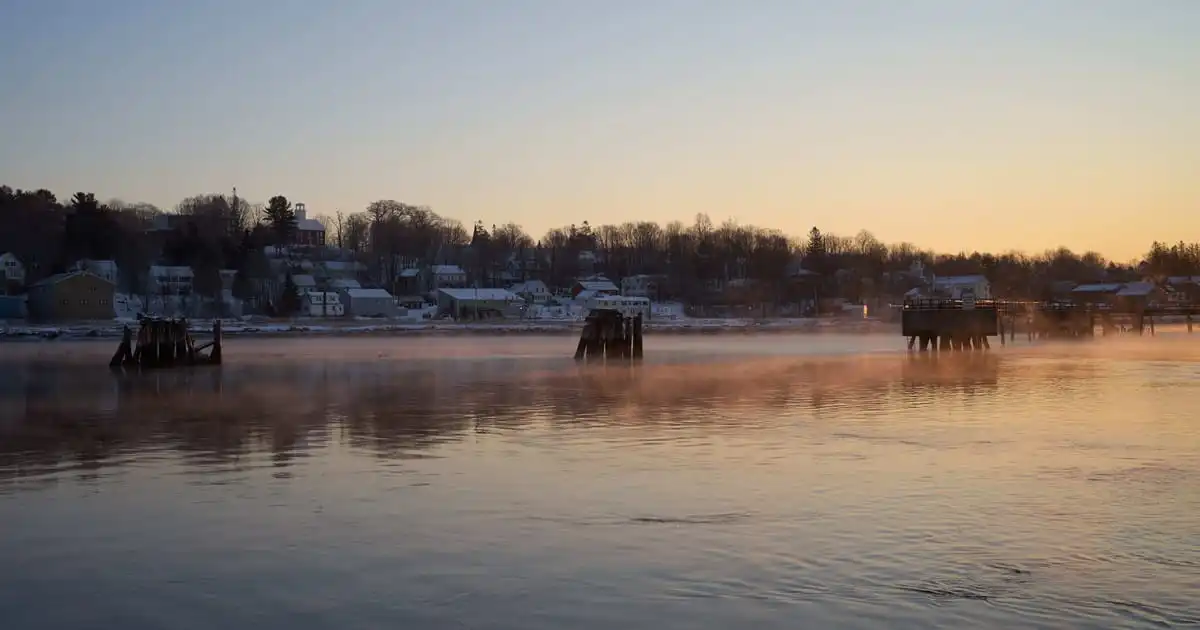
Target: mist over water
(775, 481)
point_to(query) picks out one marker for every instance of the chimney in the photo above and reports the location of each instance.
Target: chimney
(300, 212)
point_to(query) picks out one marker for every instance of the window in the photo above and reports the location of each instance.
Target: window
(83, 302)
(103, 302)
(93, 289)
(66, 302)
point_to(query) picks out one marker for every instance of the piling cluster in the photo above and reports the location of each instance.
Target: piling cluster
(610, 336)
(165, 343)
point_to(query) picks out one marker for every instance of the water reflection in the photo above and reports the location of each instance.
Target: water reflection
(57, 415)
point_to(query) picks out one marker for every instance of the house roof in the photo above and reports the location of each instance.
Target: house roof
(447, 269)
(1105, 287)
(955, 280)
(411, 272)
(490, 295)
(59, 277)
(344, 283)
(1136, 289)
(304, 280)
(598, 285)
(177, 270)
(529, 286)
(368, 293)
(310, 225)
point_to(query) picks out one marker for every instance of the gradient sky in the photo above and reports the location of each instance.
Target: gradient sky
(954, 124)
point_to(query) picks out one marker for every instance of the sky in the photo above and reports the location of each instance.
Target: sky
(951, 124)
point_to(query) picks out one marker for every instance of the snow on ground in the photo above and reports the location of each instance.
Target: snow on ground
(348, 326)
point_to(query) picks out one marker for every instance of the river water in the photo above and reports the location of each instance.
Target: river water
(728, 482)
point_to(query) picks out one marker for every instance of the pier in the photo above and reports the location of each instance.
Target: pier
(608, 336)
(935, 324)
(162, 343)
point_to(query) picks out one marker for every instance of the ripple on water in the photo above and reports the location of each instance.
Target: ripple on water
(376, 485)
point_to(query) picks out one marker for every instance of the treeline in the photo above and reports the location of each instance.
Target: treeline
(224, 231)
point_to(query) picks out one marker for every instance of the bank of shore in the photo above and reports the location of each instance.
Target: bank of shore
(341, 328)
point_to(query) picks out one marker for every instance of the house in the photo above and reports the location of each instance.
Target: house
(368, 302)
(1139, 295)
(642, 285)
(106, 269)
(308, 231)
(13, 273)
(447, 277)
(532, 291)
(341, 284)
(72, 296)
(477, 303)
(629, 306)
(170, 280)
(322, 304)
(1102, 293)
(409, 281)
(962, 287)
(596, 285)
(305, 284)
(1182, 289)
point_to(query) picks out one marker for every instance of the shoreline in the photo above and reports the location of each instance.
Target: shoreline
(111, 330)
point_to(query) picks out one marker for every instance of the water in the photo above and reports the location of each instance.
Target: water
(770, 482)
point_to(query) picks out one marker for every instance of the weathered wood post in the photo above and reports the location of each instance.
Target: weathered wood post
(637, 337)
(1189, 322)
(123, 354)
(582, 346)
(214, 355)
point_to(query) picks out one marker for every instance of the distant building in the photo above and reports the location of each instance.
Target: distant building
(323, 304)
(447, 277)
(106, 269)
(308, 231)
(533, 291)
(170, 280)
(642, 285)
(305, 284)
(1096, 293)
(962, 287)
(477, 303)
(369, 302)
(12, 271)
(72, 296)
(598, 285)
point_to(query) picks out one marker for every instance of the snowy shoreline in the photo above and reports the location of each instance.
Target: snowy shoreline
(300, 328)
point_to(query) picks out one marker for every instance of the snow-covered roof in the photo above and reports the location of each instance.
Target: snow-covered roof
(59, 277)
(958, 280)
(1136, 289)
(490, 295)
(445, 270)
(411, 272)
(345, 283)
(341, 265)
(1183, 280)
(310, 225)
(174, 270)
(529, 286)
(99, 267)
(368, 293)
(304, 280)
(598, 286)
(1105, 287)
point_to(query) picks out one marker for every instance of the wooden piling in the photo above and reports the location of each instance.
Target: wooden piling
(637, 338)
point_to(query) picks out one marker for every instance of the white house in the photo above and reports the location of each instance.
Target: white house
(447, 276)
(641, 285)
(627, 305)
(13, 271)
(369, 302)
(595, 284)
(533, 291)
(169, 280)
(305, 284)
(323, 304)
(961, 287)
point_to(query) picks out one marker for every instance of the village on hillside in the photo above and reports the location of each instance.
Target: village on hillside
(396, 262)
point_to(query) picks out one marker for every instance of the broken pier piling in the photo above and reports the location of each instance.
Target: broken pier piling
(609, 335)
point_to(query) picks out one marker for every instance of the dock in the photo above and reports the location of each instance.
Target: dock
(609, 336)
(164, 343)
(949, 325)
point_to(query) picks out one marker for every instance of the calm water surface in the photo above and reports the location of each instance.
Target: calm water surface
(729, 482)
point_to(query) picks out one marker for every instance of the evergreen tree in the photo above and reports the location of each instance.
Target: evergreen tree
(289, 302)
(282, 219)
